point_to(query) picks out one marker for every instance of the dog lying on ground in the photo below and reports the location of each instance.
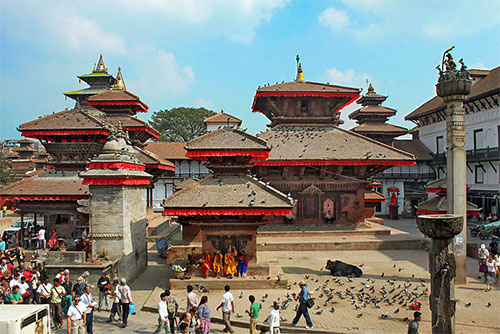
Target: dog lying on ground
(339, 268)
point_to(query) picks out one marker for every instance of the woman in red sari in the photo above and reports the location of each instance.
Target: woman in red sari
(53, 238)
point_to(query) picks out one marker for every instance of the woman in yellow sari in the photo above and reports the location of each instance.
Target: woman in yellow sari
(217, 263)
(229, 263)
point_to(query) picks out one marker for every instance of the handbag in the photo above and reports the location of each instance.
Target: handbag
(310, 303)
(483, 268)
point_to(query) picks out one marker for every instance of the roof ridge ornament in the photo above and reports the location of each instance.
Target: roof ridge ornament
(300, 73)
(100, 68)
(120, 83)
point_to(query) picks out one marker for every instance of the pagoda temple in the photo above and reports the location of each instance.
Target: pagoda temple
(323, 167)
(72, 138)
(372, 118)
(227, 207)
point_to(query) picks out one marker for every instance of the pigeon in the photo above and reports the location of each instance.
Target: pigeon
(406, 319)
(319, 312)
(397, 310)
(361, 265)
(332, 310)
(241, 295)
(383, 316)
(238, 315)
(468, 304)
(359, 315)
(488, 305)
(382, 275)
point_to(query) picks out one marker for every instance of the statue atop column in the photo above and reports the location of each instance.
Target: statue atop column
(452, 81)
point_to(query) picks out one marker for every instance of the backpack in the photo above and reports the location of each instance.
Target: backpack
(171, 308)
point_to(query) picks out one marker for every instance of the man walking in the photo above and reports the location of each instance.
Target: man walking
(125, 299)
(413, 325)
(76, 317)
(163, 321)
(172, 307)
(41, 238)
(303, 297)
(44, 291)
(115, 308)
(227, 304)
(253, 313)
(79, 287)
(86, 299)
(56, 294)
(103, 285)
(192, 299)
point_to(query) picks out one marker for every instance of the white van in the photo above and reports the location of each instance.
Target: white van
(24, 319)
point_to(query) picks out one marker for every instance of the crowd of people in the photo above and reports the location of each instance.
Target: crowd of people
(489, 264)
(230, 264)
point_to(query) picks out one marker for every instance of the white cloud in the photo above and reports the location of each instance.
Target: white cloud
(334, 18)
(348, 77)
(201, 102)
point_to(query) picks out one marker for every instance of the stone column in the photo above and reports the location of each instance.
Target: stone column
(453, 86)
(442, 267)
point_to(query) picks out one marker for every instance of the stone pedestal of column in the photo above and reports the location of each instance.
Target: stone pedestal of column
(442, 267)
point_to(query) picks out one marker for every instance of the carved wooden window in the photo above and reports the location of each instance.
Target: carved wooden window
(310, 207)
(304, 105)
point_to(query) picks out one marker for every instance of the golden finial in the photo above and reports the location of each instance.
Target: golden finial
(300, 74)
(120, 83)
(370, 88)
(222, 111)
(100, 66)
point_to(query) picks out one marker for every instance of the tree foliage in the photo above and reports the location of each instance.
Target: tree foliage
(5, 175)
(180, 124)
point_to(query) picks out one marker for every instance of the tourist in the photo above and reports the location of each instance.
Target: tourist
(3, 245)
(16, 280)
(482, 257)
(242, 264)
(76, 317)
(229, 263)
(86, 299)
(85, 278)
(25, 290)
(227, 305)
(274, 319)
(192, 299)
(206, 264)
(57, 293)
(204, 315)
(44, 291)
(163, 321)
(489, 275)
(68, 287)
(217, 263)
(303, 297)
(497, 274)
(6, 266)
(115, 308)
(413, 325)
(35, 282)
(172, 308)
(125, 300)
(4, 210)
(16, 296)
(187, 319)
(60, 275)
(493, 246)
(79, 287)
(41, 238)
(253, 312)
(104, 287)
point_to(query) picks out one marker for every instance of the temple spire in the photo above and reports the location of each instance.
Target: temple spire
(100, 68)
(120, 83)
(300, 74)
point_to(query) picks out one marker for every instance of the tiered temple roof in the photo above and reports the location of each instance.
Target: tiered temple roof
(222, 118)
(372, 118)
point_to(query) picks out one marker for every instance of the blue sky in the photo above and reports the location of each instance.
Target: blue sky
(215, 53)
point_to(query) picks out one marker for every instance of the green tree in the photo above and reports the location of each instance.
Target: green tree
(180, 124)
(5, 176)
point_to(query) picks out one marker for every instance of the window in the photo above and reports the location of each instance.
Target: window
(304, 106)
(478, 139)
(439, 145)
(479, 174)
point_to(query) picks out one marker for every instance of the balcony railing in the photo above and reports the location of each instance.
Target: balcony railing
(476, 155)
(405, 175)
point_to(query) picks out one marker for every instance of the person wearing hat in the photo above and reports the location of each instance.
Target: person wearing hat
(413, 325)
(303, 297)
(274, 319)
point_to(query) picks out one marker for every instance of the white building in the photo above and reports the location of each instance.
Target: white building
(482, 126)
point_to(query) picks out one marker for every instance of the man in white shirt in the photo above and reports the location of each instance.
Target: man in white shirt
(125, 300)
(274, 319)
(41, 238)
(227, 304)
(115, 308)
(86, 298)
(163, 321)
(76, 317)
(44, 291)
(15, 281)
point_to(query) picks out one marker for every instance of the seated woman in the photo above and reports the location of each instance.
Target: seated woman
(242, 264)
(53, 239)
(229, 263)
(206, 265)
(217, 263)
